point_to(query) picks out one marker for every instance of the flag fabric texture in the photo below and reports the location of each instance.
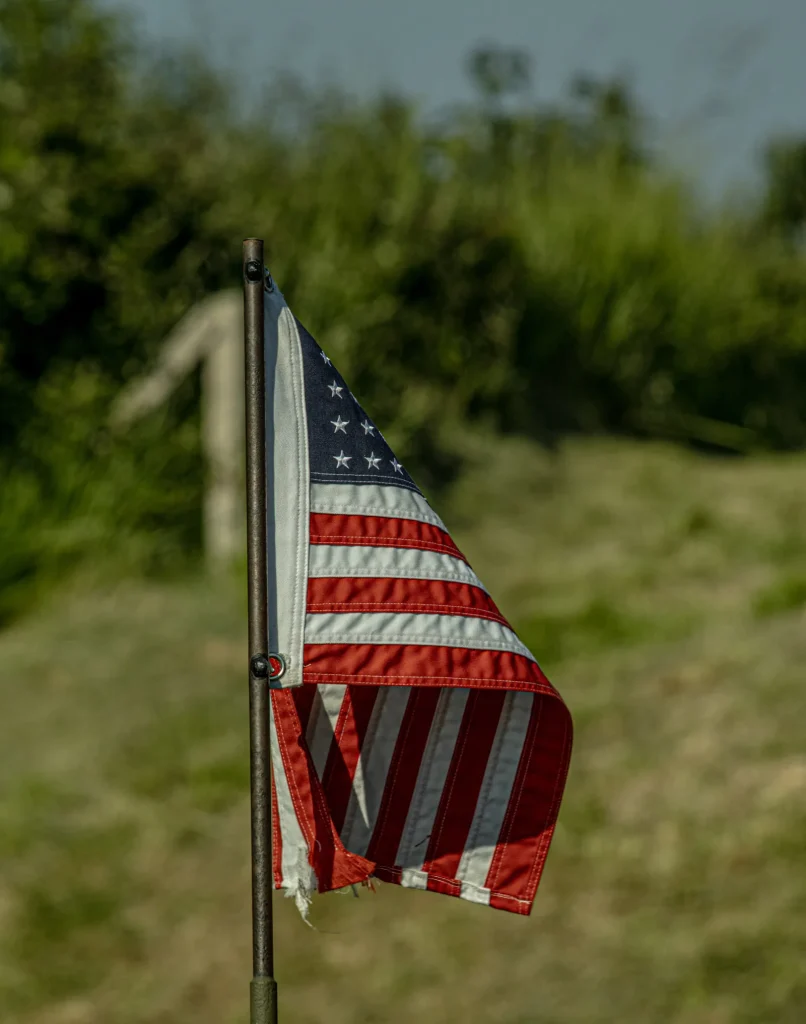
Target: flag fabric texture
(414, 737)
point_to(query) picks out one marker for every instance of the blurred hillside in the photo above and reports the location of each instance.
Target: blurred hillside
(667, 594)
(511, 266)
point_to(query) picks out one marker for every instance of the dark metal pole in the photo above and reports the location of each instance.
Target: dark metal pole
(263, 987)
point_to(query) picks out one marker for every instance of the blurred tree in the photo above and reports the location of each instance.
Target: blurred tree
(609, 118)
(498, 72)
(109, 196)
(784, 207)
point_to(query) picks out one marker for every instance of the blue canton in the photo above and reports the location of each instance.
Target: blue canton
(344, 444)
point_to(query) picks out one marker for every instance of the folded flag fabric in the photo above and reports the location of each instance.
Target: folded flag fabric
(414, 737)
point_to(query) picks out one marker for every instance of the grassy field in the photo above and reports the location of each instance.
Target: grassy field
(664, 594)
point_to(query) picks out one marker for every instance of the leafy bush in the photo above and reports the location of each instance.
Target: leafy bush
(513, 266)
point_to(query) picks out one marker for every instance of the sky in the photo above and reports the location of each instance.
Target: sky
(718, 77)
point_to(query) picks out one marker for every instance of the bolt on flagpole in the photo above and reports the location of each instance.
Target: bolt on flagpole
(263, 989)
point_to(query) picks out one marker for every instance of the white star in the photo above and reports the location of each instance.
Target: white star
(372, 460)
(368, 428)
(327, 361)
(340, 425)
(335, 390)
(397, 467)
(342, 459)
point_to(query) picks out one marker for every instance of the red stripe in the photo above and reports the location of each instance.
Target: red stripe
(421, 665)
(303, 701)
(380, 531)
(383, 594)
(446, 886)
(463, 782)
(451, 887)
(402, 775)
(345, 750)
(532, 810)
(276, 839)
(335, 867)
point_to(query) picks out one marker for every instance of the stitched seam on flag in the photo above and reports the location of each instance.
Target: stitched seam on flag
(384, 639)
(376, 539)
(335, 608)
(348, 475)
(299, 804)
(363, 474)
(323, 540)
(276, 838)
(537, 859)
(419, 680)
(361, 572)
(394, 874)
(378, 510)
(480, 889)
(545, 840)
(514, 805)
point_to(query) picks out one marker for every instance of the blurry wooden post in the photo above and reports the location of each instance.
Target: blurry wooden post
(223, 440)
(211, 333)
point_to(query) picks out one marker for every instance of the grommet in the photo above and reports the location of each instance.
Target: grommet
(277, 667)
(268, 280)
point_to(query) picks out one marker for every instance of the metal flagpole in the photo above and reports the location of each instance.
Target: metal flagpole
(263, 988)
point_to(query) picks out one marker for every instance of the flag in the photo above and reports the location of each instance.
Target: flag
(414, 737)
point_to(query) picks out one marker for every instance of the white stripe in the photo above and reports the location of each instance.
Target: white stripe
(322, 723)
(372, 769)
(410, 878)
(433, 772)
(475, 894)
(294, 866)
(496, 789)
(398, 563)
(412, 628)
(373, 500)
(287, 485)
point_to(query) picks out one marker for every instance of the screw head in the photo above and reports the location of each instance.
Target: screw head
(260, 666)
(253, 271)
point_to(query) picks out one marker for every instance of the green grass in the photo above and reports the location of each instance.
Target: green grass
(784, 594)
(662, 591)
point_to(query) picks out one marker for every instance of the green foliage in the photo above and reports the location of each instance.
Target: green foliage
(785, 200)
(513, 265)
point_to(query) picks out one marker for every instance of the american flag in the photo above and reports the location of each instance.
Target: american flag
(414, 737)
